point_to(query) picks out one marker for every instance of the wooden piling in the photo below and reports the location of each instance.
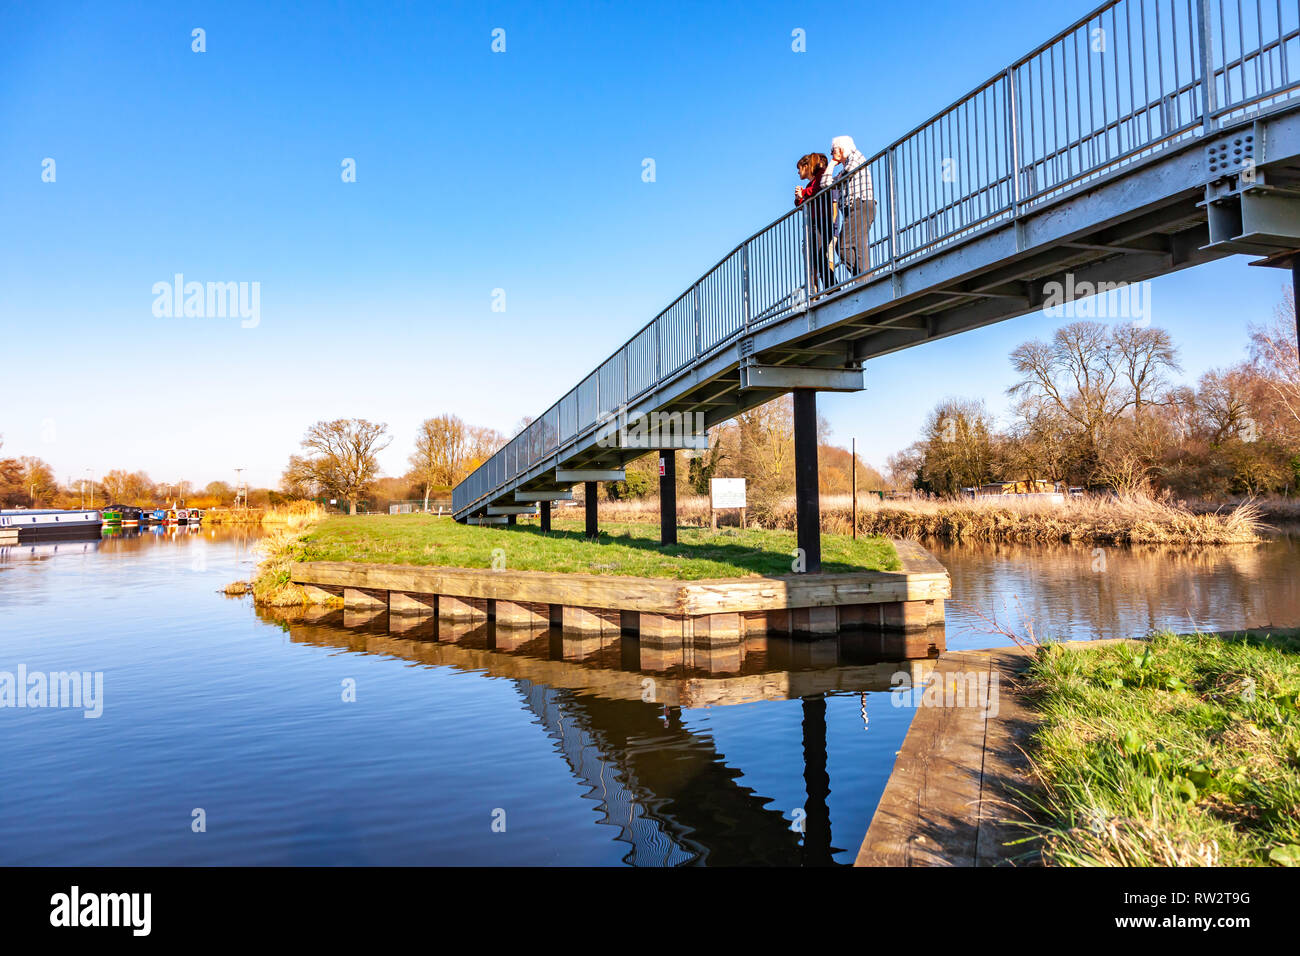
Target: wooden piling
(665, 612)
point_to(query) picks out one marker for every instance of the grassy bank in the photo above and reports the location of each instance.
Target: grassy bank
(1131, 519)
(624, 548)
(1181, 751)
(280, 548)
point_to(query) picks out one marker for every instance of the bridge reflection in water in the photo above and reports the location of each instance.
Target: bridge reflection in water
(618, 714)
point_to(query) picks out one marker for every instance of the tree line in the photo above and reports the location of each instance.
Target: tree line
(1100, 406)
(1097, 405)
(339, 460)
(30, 482)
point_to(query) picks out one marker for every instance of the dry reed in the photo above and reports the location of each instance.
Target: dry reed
(1119, 519)
(296, 514)
(281, 548)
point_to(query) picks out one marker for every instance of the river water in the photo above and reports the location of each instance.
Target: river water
(1082, 592)
(230, 735)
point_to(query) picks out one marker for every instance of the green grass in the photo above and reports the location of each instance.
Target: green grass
(1181, 751)
(625, 549)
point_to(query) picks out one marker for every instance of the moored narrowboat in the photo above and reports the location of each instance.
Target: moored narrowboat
(35, 524)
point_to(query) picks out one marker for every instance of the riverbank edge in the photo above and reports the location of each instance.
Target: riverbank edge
(962, 771)
(712, 611)
(956, 774)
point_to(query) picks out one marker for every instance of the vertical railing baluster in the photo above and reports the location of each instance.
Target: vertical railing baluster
(1205, 43)
(659, 351)
(744, 285)
(1013, 128)
(891, 189)
(807, 259)
(696, 290)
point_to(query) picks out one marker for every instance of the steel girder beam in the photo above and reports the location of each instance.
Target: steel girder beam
(534, 496)
(575, 475)
(785, 378)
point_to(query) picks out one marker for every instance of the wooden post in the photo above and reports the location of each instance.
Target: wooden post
(667, 496)
(546, 515)
(589, 493)
(806, 494)
(854, 443)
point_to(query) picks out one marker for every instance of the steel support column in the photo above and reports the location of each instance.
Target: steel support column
(1295, 295)
(668, 497)
(806, 495)
(546, 514)
(816, 850)
(589, 493)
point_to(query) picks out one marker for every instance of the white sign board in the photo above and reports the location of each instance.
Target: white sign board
(727, 492)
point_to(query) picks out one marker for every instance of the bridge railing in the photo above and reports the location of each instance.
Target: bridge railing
(1121, 83)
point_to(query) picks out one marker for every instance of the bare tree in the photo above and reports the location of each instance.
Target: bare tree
(1039, 444)
(1089, 377)
(482, 443)
(441, 446)
(11, 477)
(1222, 406)
(765, 452)
(127, 487)
(342, 458)
(298, 480)
(958, 446)
(38, 479)
(1276, 358)
(219, 490)
(1144, 357)
(904, 467)
(1074, 374)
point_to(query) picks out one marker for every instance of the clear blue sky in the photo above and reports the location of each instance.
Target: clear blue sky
(475, 171)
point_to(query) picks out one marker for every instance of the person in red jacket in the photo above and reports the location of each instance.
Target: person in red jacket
(820, 202)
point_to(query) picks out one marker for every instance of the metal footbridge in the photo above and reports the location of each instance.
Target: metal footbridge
(1150, 136)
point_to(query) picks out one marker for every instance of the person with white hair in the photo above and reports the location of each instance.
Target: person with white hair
(859, 204)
